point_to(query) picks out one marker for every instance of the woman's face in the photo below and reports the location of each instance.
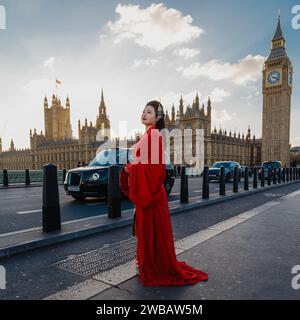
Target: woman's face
(148, 116)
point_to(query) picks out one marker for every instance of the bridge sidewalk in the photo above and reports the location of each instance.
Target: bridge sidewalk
(250, 256)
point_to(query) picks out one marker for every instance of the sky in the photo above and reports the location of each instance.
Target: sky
(139, 51)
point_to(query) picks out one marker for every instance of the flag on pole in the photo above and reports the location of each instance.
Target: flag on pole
(56, 82)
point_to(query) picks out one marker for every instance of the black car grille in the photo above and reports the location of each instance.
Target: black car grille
(214, 171)
(75, 178)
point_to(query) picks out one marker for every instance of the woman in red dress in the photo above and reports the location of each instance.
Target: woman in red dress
(156, 256)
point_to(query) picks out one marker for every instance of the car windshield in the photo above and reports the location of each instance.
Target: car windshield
(271, 165)
(111, 156)
(221, 164)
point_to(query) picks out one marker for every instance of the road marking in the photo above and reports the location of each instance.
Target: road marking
(195, 197)
(31, 211)
(291, 195)
(126, 271)
(173, 201)
(257, 210)
(20, 197)
(2, 235)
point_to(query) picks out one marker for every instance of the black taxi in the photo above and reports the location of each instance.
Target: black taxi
(92, 180)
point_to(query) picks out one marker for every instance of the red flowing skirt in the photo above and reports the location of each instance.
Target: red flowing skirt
(156, 256)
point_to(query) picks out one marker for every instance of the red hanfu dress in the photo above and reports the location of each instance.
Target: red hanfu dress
(156, 256)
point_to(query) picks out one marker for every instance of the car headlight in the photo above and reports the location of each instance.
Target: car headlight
(95, 176)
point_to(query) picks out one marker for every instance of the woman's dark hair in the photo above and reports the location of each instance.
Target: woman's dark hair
(160, 124)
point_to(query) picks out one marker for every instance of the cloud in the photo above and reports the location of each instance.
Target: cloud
(103, 36)
(221, 116)
(187, 53)
(218, 94)
(155, 27)
(246, 70)
(171, 97)
(36, 87)
(253, 93)
(146, 62)
(180, 68)
(49, 63)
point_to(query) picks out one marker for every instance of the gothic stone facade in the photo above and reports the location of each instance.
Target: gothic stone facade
(218, 145)
(58, 145)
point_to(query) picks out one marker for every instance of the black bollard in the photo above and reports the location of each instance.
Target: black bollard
(279, 175)
(283, 175)
(235, 186)
(5, 178)
(291, 174)
(27, 177)
(246, 179)
(262, 177)
(51, 208)
(64, 175)
(274, 175)
(205, 184)
(294, 174)
(269, 176)
(222, 181)
(113, 192)
(255, 177)
(287, 170)
(184, 186)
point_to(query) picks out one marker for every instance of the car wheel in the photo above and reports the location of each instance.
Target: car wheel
(79, 198)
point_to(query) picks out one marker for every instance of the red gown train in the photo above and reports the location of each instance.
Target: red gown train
(156, 257)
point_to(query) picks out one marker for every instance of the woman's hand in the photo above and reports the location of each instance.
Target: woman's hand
(125, 168)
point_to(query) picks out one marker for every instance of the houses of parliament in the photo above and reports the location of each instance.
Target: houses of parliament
(57, 145)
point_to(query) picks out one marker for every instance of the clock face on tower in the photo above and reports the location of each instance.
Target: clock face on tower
(273, 77)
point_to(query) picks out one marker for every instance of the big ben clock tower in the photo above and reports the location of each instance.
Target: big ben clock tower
(277, 90)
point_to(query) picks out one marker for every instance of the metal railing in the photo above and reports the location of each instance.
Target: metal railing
(9, 177)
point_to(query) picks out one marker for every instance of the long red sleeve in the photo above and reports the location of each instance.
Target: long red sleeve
(147, 179)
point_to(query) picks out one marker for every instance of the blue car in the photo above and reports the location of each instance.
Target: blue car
(92, 180)
(214, 172)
